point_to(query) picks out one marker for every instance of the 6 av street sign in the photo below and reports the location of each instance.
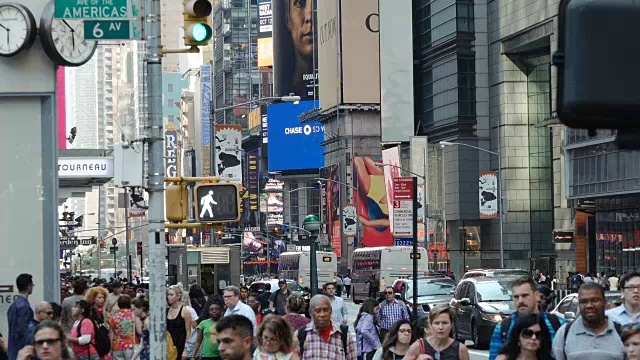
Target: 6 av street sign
(92, 9)
(107, 30)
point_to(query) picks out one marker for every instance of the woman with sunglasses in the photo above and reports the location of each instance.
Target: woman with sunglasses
(396, 343)
(48, 343)
(529, 340)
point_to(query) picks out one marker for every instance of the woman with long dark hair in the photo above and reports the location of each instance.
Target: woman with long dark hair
(82, 336)
(396, 343)
(198, 300)
(367, 338)
(529, 340)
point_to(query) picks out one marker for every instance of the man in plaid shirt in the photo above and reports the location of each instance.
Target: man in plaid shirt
(391, 310)
(324, 338)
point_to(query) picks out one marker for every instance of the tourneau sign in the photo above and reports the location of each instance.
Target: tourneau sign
(92, 9)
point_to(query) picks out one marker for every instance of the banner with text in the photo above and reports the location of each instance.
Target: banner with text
(488, 195)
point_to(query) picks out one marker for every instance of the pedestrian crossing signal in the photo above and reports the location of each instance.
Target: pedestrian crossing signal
(217, 203)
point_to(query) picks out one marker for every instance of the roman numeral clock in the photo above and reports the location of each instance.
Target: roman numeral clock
(63, 39)
(17, 29)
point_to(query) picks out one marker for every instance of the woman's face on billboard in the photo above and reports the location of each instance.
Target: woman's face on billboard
(301, 26)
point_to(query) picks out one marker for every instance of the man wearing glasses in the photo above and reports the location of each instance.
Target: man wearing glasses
(44, 311)
(231, 297)
(629, 311)
(391, 310)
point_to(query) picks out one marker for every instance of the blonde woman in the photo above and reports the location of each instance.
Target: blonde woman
(178, 320)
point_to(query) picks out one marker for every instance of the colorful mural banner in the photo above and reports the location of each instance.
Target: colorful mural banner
(371, 202)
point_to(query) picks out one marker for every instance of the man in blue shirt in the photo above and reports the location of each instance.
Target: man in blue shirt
(525, 300)
(629, 311)
(19, 315)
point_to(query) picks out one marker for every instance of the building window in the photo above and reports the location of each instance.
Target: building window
(171, 117)
(169, 102)
(170, 87)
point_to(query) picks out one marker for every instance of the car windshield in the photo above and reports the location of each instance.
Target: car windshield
(294, 286)
(437, 287)
(506, 280)
(492, 291)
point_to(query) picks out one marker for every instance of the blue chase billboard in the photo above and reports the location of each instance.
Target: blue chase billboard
(292, 145)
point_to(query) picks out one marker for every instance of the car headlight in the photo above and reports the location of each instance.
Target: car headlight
(492, 317)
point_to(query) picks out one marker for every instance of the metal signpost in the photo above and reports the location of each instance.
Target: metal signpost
(405, 223)
(104, 19)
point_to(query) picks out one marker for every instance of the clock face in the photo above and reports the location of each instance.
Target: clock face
(63, 39)
(17, 29)
(69, 41)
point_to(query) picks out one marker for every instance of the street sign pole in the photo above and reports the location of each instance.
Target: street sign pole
(155, 141)
(415, 247)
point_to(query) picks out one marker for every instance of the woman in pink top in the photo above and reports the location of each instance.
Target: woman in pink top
(82, 341)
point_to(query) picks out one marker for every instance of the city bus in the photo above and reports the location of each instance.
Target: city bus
(387, 263)
(297, 266)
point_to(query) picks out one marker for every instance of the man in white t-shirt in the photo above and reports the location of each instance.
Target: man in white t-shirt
(613, 282)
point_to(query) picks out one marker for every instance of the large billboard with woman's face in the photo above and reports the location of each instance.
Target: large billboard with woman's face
(294, 60)
(371, 202)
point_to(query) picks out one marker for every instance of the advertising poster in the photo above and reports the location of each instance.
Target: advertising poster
(371, 202)
(252, 242)
(292, 145)
(293, 53)
(205, 112)
(253, 186)
(228, 150)
(349, 220)
(331, 199)
(488, 195)
(391, 156)
(336, 244)
(265, 33)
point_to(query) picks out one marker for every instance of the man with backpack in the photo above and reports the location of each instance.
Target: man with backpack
(592, 335)
(525, 300)
(278, 299)
(321, 337)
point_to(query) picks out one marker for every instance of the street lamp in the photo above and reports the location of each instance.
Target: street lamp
(500, 183)
(312, 224)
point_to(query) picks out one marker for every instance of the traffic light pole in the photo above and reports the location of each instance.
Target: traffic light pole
(155, 188)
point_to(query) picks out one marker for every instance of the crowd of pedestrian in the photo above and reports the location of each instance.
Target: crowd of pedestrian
(110, 321)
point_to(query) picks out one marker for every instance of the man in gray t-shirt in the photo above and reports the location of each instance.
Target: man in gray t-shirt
(278, 299)
(592, 336)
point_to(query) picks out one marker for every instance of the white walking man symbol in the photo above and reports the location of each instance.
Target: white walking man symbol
(206, 202)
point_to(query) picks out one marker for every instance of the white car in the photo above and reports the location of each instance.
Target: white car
(569, 305)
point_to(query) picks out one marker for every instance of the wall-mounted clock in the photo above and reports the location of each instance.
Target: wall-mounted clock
(63, 39)
(18, 29)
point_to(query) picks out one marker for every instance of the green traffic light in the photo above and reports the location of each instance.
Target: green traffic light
(200, 32)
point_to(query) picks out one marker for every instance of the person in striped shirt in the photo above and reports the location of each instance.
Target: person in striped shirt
(391, 310)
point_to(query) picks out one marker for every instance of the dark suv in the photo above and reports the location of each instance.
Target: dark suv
(482, 302)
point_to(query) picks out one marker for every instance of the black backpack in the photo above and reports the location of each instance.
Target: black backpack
(302, 336)
(101, 341)
(506, 325)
